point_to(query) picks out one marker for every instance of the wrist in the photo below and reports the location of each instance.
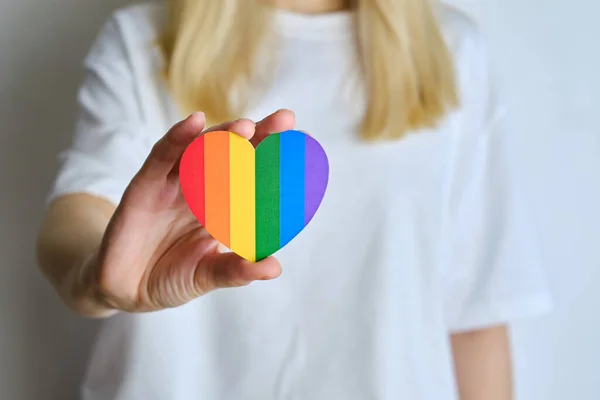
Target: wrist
(86, 295)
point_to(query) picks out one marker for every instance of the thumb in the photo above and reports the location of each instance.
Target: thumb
(225, 270)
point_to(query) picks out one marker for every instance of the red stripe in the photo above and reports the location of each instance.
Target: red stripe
(191, 175)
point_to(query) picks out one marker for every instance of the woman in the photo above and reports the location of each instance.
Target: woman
(402, 285)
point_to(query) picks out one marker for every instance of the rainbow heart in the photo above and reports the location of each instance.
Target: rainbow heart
(254, 201)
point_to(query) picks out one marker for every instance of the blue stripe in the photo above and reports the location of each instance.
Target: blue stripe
(291, 218)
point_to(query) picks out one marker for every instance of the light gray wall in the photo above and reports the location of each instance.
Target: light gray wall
(546, 53)
(42, 347)
(547, 58)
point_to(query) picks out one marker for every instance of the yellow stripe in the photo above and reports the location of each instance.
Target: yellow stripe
(242, 186)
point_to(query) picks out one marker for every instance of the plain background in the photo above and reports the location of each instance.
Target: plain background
(547, 60)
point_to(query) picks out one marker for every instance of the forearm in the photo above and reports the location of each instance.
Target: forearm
(68, 241)
(483, 364)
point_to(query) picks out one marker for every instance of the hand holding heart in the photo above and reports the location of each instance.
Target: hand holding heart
(155, 254)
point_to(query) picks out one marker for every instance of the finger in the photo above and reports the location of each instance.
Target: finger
(167, 151)
(280, 121)
(230, 270)
(243, 127)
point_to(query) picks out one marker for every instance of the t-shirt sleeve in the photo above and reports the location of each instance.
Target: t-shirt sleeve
(492, 264)
(106, 150)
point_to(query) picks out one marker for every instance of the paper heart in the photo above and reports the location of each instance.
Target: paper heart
(254, 201)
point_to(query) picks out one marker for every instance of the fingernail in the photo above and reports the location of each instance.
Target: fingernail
(265, 278)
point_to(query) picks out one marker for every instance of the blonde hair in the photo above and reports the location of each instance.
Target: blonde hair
(407, 68)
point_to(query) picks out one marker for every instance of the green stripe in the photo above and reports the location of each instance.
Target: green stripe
(267, 197)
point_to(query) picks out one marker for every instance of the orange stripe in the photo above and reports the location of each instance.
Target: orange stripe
(216, 159)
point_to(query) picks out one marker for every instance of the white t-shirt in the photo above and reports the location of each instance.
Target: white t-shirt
(415, 239)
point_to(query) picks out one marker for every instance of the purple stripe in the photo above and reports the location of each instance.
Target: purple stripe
(315, 178)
